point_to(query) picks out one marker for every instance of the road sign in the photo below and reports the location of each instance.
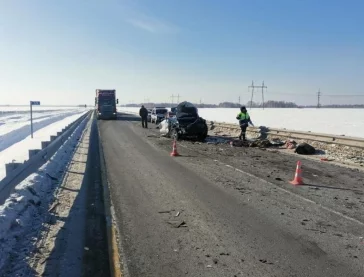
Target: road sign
(32, 103)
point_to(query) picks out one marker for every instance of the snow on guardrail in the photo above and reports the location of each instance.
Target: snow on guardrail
(20, 208)
(36, 159)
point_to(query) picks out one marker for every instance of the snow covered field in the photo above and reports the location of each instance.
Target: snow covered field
(15, 140)
(348, 122)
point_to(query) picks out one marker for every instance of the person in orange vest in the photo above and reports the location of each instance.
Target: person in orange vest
(244, 121)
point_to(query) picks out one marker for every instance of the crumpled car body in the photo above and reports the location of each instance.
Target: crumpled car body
(187, 124)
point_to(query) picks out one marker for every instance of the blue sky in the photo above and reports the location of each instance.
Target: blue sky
(59, 52)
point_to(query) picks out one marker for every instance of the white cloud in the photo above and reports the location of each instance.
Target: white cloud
(152, 25)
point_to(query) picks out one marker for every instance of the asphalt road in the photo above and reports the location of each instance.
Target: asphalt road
(196, 215)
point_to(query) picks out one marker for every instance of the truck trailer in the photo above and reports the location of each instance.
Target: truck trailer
(105, 102)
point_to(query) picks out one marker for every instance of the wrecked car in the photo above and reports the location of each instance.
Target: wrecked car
(186, 124)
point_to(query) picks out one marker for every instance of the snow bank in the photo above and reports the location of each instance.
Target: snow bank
(26, 108)
(12, 121)
(348, 122)
(25, 209)
(18, 152)
(17, 135)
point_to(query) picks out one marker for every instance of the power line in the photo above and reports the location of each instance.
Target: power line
(175, 96)
(253, 87)
(343, 95)
(172, 97)
(318, 99)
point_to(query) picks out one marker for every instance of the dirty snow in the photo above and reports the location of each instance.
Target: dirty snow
(348, 122)
(24, 211)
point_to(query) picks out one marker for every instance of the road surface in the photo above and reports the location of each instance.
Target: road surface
(221, 211)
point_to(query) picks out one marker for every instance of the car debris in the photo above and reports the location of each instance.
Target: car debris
(261, 143)
(277, 142)
(216, 140)
(185, 124)
(239, 143)
(177, 223)
(290, 144)
(305, 149)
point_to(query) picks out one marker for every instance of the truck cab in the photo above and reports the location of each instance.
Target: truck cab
(105, 102)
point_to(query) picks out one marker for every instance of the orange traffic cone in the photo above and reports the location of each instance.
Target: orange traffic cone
(174, 150)
(298, 176)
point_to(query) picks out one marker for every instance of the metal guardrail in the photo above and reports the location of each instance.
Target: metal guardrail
(292, 134)
(37, 160)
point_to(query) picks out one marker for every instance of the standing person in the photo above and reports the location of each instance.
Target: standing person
(244, 121)
(143, 112)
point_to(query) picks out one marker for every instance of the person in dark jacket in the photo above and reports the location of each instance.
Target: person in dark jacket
(143, 112)
(244, 121)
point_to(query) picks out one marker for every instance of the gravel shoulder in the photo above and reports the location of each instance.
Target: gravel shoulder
(68, 236)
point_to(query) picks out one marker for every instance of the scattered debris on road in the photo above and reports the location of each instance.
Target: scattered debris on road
(261, 143)
(290, 144)
(264, 261)
(305, 149)
(224, 254)
(177, 223)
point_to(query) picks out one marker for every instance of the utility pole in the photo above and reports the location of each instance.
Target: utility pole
(239, 100)
(178, 99)
(263, 86)
(253, 87)
(251, 99)
(318, 99)
(172, 97)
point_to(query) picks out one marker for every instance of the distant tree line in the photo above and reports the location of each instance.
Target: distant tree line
(272, 104)
(268, 104)
(349, 106)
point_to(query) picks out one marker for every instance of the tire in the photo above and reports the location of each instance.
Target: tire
(202, 138)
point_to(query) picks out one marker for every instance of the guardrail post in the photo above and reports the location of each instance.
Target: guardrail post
(45, 144)
(11, 167)
(33, 152)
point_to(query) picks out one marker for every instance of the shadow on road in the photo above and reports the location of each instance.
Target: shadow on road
(89, 249)
(128, 117)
